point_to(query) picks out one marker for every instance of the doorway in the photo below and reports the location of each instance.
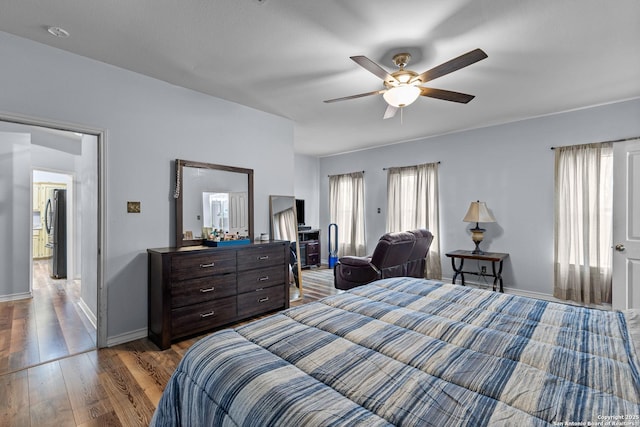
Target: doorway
(52, 309)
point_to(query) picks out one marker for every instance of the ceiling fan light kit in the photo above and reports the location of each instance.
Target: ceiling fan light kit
(402, 95)
(403, 87)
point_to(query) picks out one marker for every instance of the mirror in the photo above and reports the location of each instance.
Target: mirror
(209, 197)
(284, 226)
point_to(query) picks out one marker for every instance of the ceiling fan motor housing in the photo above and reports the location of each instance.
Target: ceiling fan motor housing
(401, 59)
(402, 77)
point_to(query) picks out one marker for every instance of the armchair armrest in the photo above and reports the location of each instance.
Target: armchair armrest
(352, 271)
(355, 261)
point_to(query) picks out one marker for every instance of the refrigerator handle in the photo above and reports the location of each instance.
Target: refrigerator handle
(47, 211)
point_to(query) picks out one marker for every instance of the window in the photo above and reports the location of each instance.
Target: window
(346, 207)
(412, 202)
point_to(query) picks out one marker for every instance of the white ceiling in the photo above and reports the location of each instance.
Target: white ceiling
(286, 56)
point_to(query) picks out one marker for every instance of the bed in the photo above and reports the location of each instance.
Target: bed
(413, 352)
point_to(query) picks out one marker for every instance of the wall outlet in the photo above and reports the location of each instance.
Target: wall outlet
(483, 269)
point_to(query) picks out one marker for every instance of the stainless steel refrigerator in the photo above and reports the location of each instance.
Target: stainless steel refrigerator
(55, 221)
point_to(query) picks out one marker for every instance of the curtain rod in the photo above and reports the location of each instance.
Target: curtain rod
(605, 142)
(344, 173)
(384, 169)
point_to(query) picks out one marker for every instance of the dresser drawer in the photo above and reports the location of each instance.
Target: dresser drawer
(199, 317)
(202, 264)
(203, 289)
(250, 281)
(261, 301)
(313, 259)
(312, 248)
(261, 256)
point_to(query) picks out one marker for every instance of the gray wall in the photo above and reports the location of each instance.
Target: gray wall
(148, 125)
(307, 182)
(15, 220)
(510, 167)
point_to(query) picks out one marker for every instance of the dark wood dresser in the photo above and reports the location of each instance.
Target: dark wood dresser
(198, 288)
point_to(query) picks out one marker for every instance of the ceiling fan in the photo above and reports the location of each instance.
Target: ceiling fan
(403, 87)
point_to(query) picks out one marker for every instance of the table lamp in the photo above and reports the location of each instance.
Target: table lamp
(478, 212)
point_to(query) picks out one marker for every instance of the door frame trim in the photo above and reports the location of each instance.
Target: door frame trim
(101, 136)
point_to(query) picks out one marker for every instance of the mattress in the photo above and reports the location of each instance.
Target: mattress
(413, 352)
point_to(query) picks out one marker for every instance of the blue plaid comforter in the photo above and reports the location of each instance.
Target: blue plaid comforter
(413, 352)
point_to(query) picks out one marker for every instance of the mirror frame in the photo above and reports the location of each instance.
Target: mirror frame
(271, 229)
(179, 165)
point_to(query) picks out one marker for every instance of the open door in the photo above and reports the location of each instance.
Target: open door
(626, 224)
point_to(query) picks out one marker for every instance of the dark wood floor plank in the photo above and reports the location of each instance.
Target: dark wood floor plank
(128, 399)
(6, 317)
(88, 397)
(49, 403)
(106, 420)
(51, 343)
(14, 399)
(73, 329)
(164, 361)
(24, 344)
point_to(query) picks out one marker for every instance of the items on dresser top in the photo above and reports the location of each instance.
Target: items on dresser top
(195, 289)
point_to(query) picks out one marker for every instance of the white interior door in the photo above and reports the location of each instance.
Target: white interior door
(626, 225)
(238, 209)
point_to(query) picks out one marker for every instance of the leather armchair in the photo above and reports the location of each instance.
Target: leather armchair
(416, 263)
(389, 259)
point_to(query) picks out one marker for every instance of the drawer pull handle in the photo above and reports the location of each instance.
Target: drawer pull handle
(263, 279)
(209, 314)
(263, 257)
(265, 299)
(207, 265)
(259, 289)
(211, 289)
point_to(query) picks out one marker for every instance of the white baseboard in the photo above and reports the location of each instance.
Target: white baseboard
(126, 337)
(87, 312)
(16, 297)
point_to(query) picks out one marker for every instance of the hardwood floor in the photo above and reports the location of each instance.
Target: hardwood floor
(117, 386)
(46, 327)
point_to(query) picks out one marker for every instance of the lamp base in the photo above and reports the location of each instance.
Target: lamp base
(477, 250)
(477, 235)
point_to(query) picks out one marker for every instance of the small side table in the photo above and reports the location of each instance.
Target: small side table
(492, 257)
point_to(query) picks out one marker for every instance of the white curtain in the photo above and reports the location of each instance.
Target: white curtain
(285, 227)
(412, 203)
(346, 206)
(583, 223)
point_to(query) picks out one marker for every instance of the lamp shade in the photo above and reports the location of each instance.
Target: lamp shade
(402, 95)
(478, 212)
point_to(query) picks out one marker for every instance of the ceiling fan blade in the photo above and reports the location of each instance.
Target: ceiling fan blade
(452, 65)
(374, 68)
(360, 95)
(390, 112)
(446, 95)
